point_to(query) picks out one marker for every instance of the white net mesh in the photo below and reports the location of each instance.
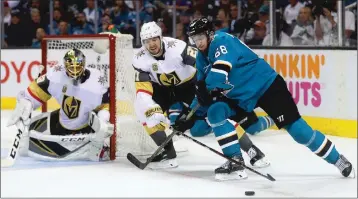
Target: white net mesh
(131, 136)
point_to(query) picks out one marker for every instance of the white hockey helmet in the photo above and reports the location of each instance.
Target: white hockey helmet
(151, 30)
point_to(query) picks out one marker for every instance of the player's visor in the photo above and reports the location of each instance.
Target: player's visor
(196, 39)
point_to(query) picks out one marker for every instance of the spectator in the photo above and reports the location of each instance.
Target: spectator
(251, 7)
(282, 39)
(124, 18)
(146, 15)
(181, 5)
(259, 33)
(120, 12)
(303, 32)
(108, 11)
(263, 17)
(224, 4)
(197, 13)
(42, 6)
(36, 22)
(106, 24)
(63, 28)
(292, 10)
(40, 33)
(207, 8)
(81, 26)
(65, 14)
(57, 17)
(90, 12)
(234, 11)
(7, 14)
(349, 25)
(164, 27)
(15, 31)
(222, 21)
(180, 32)
(325, 26)
(185, 19)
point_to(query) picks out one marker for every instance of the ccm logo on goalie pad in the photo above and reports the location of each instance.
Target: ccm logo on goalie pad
(15, 145)
(80, 139)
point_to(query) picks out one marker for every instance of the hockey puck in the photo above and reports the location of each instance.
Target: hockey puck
(249, 193)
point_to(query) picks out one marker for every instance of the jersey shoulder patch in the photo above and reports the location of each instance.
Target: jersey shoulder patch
(140, 60)
(174, 45)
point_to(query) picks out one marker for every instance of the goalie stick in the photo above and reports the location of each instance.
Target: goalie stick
(142, 165)
(13, 153)
(11, 158)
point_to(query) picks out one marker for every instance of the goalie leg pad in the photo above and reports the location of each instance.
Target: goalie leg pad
(38, 123)
(58, 148)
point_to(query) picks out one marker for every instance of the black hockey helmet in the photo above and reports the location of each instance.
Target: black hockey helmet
(201, 25)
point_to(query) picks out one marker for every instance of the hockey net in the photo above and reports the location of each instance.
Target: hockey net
(117, 73)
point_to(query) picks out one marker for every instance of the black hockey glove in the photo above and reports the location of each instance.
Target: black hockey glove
(202, 93)
(182, 124)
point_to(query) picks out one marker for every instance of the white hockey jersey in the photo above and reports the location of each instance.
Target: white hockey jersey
(176, 67)
(76, 101)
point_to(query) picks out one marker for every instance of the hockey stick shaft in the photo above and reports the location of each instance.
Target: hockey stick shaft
(267, 176)
(13, 153)
(142, 165)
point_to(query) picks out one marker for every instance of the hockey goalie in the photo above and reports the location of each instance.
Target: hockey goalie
(80, 129)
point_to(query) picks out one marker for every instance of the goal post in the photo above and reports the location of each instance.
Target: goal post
(117, 73)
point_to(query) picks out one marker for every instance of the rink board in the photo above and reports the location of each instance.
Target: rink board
(323, 83)
(330, 126)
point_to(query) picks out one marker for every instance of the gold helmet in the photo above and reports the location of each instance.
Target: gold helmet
(74, 63)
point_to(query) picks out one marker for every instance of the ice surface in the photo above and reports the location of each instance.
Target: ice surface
(298, 172)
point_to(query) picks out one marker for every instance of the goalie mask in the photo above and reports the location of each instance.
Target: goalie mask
(75, 63)
(151, 38)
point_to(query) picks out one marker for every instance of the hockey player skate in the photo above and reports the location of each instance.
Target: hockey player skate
(231, 171)
(257, 158)
(166, 159)
(345, 167)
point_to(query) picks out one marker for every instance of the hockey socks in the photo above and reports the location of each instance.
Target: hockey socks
(263, 123)
(318, 143)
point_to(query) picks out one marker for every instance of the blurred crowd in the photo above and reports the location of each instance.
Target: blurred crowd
(298, 22)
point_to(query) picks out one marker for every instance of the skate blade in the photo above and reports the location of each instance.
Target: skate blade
(167, 164)
(238, 175)
(352, 174)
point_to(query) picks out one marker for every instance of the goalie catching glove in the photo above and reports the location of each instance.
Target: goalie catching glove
(22, 112)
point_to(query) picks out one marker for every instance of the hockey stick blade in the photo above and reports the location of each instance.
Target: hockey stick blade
(267, 176)
(135, 161)
(142, 165)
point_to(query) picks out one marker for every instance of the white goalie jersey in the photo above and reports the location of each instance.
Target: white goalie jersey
(76, 101)
(176, 67)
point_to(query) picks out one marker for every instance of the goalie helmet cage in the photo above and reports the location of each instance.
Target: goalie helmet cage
(115, 66)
